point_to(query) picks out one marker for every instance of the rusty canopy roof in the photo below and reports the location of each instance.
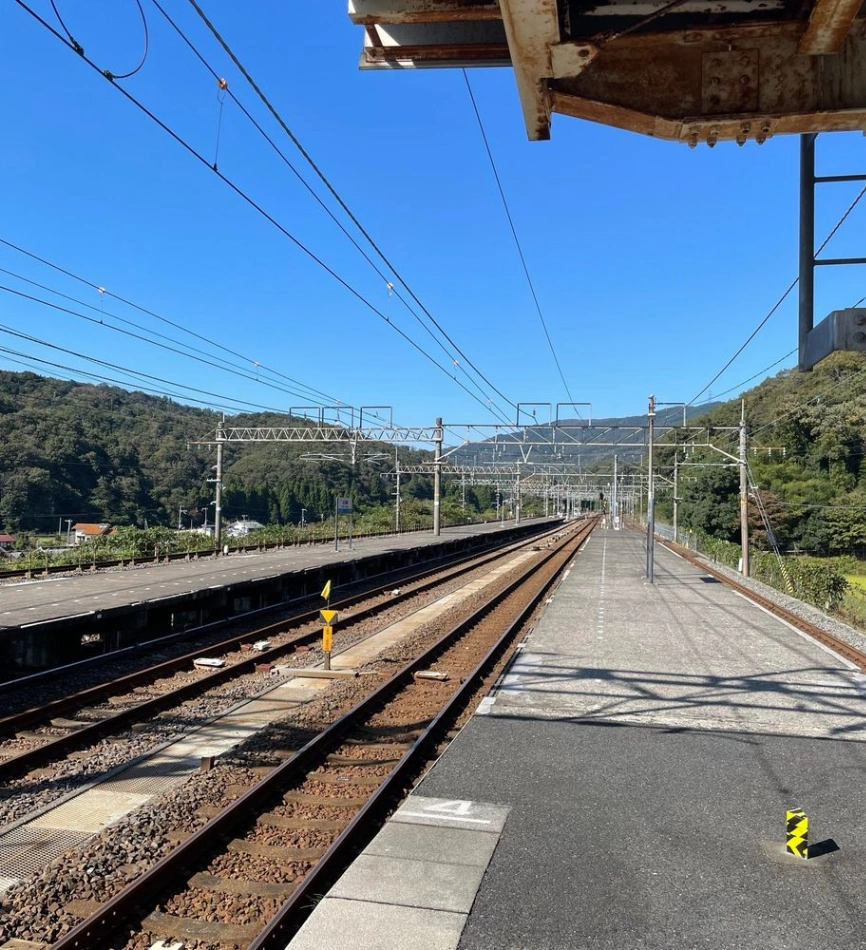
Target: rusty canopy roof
(687, 70)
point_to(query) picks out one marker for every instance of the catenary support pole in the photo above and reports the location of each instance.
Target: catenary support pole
(397, 496)
(437, 480)
(676, 500)
(807, 242)
(650, 495)
(744, 494)
(218, 507)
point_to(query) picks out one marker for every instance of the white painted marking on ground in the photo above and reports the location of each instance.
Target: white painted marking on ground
(424, 814)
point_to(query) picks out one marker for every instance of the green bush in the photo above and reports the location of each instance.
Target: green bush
(818, 581)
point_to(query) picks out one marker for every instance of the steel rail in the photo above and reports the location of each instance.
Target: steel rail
(804, 626)
(152, 882)
(393, 575)
(61, 745)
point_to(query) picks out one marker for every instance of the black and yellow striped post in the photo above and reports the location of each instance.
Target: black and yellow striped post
(327, 616)
(797, 833)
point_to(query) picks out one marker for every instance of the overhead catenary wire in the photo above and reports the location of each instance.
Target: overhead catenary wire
(781, 300)
(104, 292)
(140, 337)
(19, 334)
(386, 280)
(737, 386)
(228, 367)
(255, 205)
(80, 49)
(801, 405)
(513, 229)
(323, 178)
(75, 374)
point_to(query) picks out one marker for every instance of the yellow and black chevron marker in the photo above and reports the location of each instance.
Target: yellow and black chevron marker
(797, 828)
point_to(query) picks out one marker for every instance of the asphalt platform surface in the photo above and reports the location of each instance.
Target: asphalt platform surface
(643, 748)
(61, 595)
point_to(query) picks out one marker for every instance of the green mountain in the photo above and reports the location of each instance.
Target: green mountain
(100, 453)
(806, 441)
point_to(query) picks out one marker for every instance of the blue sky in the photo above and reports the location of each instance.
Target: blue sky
(652, 262)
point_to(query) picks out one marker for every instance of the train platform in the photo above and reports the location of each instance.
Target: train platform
(625, 786)
(39, 600)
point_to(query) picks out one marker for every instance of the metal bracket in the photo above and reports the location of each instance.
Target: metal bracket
(841, 330)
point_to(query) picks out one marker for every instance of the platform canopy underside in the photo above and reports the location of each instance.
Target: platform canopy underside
(686, 70)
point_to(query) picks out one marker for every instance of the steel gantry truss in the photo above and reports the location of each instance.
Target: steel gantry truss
(547, 446)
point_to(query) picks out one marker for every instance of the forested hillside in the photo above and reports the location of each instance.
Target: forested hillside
(100, 453)
(807, 435)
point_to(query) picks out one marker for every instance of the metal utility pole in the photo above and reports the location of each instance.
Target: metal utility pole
(614, 500)
(218, 508)
(744, 493)
(180, 511)
(650, 499)
(336, 524)
(807, 241)
(676, 499)
(517, 497)
(437, 479)
(352, 488)
(397, 494)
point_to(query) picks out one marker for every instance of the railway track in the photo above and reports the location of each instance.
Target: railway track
(63, 732)
(246, 876)
(822, 636)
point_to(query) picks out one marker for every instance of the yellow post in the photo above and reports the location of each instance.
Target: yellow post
(797, 833)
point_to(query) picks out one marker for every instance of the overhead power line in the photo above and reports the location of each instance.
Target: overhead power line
(205, 358)
(132, 372)
(104, 292)
(779, 302)
(523, 263)
(736, 387)
(74, 374)
(323, 178)
(253, 204)
(388, 283)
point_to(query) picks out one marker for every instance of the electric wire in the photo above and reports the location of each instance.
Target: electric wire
(178, 326)
(284, 158)
(520, 253)
(779, 302)
(138, 336)
(760, 372)
(296, 142)
(27, 361)
(133, 372)
(235, 370)
(80, 49)
(253, 204)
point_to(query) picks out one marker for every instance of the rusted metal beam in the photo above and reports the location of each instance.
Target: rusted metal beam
(422, 11)
(466, 54)
(532, 29)
(704, 87)
(829, 24)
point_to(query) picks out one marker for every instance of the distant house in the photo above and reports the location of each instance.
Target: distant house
(86, 532)
(6, 542)
(240, 529)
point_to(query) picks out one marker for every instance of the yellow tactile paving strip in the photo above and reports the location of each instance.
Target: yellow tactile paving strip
(91, 811)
